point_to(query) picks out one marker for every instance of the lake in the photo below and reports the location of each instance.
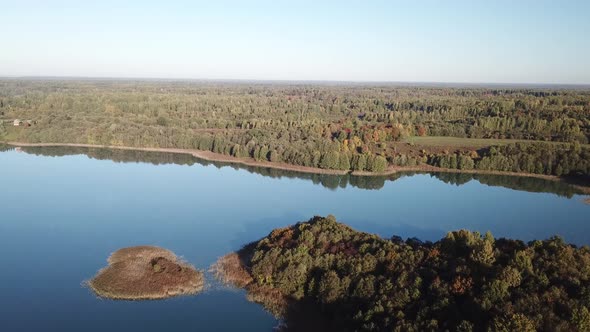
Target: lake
(64, 210)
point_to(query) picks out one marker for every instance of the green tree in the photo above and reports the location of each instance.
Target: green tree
(329, 288)
(330, 160)
(359, 162)
(161, 121)
(344, 162)
(379, 164)
(581, 318)
(275, 157)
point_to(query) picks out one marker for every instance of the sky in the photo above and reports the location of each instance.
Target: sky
(471, 41)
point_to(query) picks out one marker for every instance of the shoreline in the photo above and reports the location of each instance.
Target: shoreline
(216, 157)
(205, 155)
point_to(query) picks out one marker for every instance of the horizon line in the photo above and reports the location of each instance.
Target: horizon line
(295, 81)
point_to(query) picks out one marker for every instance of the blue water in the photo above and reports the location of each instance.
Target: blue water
(62, 216)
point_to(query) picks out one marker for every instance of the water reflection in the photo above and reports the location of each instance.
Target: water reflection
(72, 212)
(333, 182)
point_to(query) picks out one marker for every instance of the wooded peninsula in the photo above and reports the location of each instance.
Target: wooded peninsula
(321, 275)
(327, 127)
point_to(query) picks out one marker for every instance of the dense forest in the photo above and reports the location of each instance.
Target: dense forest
(331, 126)
(464, 282)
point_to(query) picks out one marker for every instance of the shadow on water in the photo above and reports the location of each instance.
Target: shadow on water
(5, 147)
(307, 315)
(333, 182)
(520, 183)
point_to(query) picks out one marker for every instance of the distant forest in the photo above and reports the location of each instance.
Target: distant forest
(339, 127)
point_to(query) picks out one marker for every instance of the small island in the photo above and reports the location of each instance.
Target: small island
(146, 273)
(325, 275)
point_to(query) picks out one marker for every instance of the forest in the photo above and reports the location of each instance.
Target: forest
(347, 127)
(464, 282)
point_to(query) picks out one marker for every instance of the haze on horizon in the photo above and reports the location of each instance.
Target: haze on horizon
(422, 41)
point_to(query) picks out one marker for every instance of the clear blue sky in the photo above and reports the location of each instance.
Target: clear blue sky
(435, 41)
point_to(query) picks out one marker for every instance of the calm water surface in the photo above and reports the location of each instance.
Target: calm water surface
(63, 213)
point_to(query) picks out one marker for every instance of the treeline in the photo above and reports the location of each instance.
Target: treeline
(329, 181)
(116, 155)
(537, 158)
(463, 282)
(5, 147)
(323, 155)
(341, 127)
(521, 183)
